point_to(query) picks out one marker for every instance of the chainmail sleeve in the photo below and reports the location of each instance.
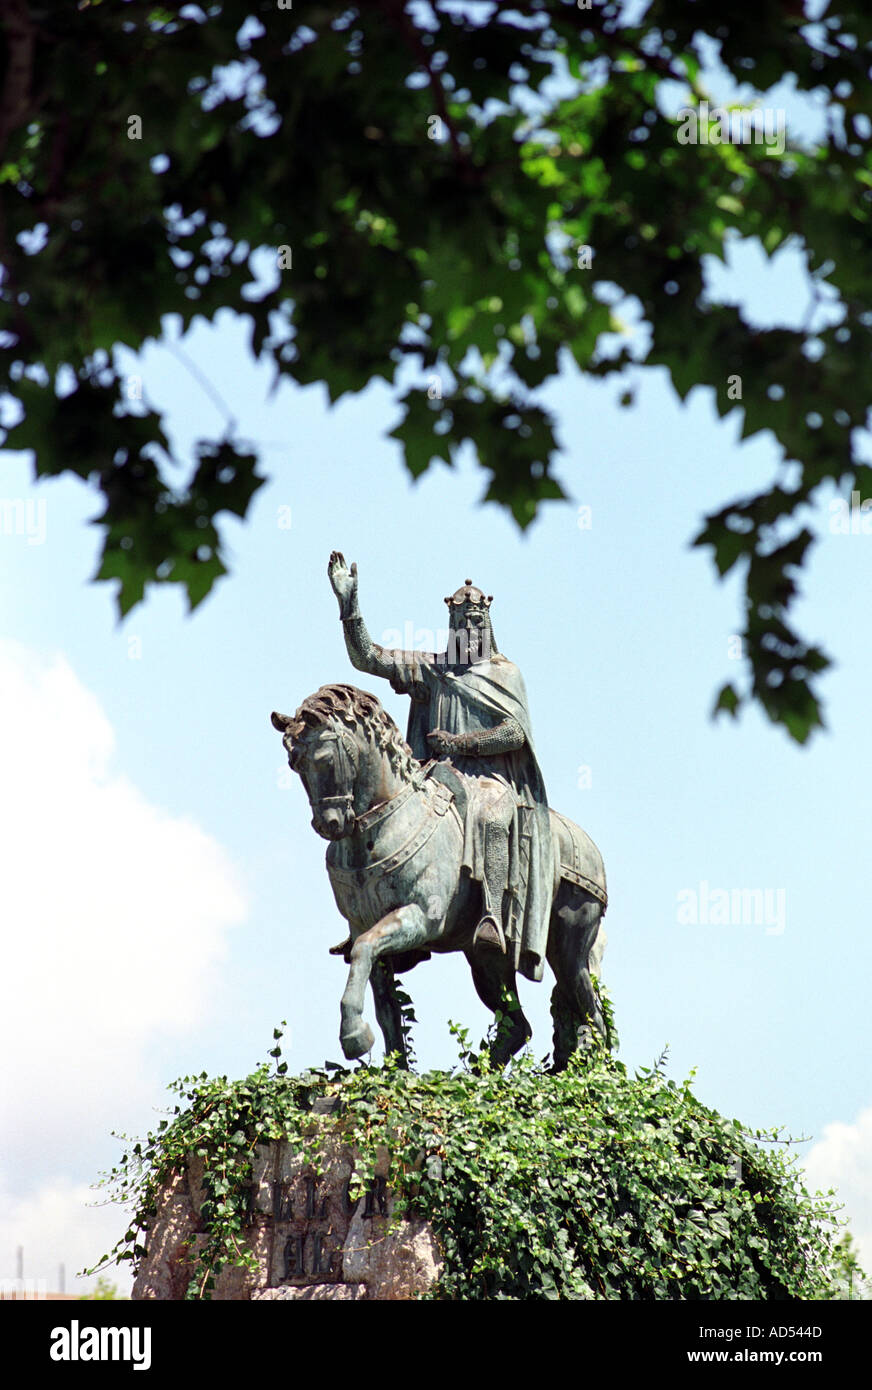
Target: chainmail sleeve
(402, 669)
(504, 737)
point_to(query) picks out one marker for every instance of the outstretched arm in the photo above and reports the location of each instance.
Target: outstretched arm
(363, 653)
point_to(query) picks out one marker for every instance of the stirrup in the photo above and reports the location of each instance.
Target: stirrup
(489, 934)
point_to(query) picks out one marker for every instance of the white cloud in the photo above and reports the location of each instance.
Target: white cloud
(114, 920)
(843, 1159)
(59, 1225)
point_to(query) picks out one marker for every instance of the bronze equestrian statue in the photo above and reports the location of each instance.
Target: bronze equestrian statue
(457, 852)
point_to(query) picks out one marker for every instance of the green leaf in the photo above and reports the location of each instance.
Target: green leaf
(727, 701)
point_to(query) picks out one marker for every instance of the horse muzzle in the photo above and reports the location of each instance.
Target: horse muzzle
(334, 822)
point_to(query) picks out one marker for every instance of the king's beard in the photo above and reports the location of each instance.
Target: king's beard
(469, 644)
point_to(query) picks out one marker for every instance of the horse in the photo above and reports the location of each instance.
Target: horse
(396, 833)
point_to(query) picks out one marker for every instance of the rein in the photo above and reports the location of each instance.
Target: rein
(345, 771)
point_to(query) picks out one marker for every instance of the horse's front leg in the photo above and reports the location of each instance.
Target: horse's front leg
(400, 930)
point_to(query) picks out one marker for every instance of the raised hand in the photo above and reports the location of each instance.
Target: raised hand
(343, 580)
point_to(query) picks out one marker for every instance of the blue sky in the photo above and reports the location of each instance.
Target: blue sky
(168, 898)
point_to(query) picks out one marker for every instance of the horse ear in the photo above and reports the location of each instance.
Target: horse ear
(280, 721)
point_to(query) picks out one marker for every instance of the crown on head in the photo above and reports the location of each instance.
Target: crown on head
(468, 593)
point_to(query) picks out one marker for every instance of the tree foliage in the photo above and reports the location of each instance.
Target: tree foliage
(104, 1290)
(394, 185)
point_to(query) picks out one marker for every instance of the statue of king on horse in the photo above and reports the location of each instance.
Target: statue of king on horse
(445, 841)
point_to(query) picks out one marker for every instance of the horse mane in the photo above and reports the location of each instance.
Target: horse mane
(355, 709)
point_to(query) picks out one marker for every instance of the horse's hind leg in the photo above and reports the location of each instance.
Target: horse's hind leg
(387, 1008)
(494, 980)
(572, 948)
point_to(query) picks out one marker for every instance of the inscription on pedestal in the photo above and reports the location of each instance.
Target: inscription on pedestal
(308, 1219)
(308, 1239)
(309, 1259)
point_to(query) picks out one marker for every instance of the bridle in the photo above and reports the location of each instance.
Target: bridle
(345, 770)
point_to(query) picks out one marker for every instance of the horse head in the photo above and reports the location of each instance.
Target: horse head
(348, 753)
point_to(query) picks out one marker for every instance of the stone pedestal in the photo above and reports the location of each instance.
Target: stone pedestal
(310, 1240)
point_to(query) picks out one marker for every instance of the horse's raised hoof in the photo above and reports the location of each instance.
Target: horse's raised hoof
(357, 1041)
